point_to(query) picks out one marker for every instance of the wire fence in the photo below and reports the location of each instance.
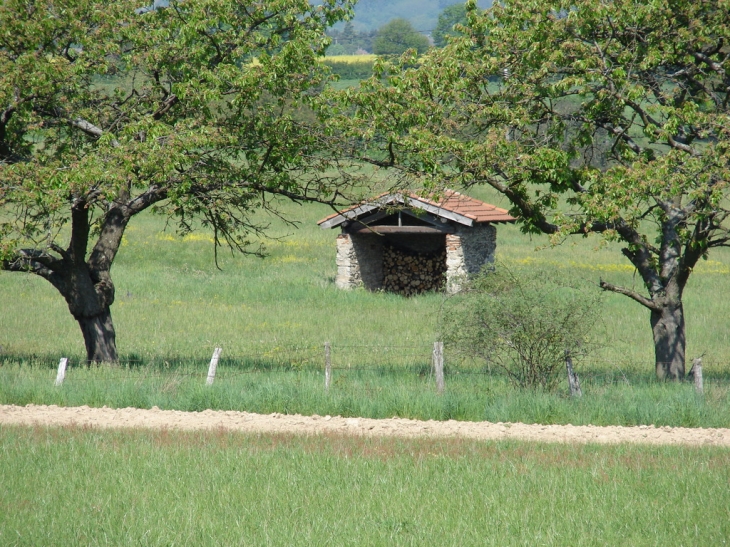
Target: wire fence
(388, 360)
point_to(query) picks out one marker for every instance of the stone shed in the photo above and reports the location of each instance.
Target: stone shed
(409, 244)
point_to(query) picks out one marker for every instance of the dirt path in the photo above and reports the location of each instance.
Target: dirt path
(310, 425)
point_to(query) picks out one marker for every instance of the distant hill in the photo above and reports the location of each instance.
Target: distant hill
(423, 14)
(373, 14)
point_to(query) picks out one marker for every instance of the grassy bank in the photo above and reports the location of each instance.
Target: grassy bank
(81, 487)
(381, 392)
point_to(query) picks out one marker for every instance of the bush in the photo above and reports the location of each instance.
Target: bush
(522, 322)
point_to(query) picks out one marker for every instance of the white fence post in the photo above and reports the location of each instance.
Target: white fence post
(438, 366)
(327, 366)
(61, 371)
(213, 366)
(573, 381)
(697, 373)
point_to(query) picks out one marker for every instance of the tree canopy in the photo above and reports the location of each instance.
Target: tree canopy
(398, 36)
(452, 15)
(189, 110)
(592, 117)
(349, 41)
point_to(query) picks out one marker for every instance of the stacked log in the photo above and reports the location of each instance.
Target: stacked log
(409, 273)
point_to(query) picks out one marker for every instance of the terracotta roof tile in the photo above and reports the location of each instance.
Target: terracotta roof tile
(454, 202)
(472, 208)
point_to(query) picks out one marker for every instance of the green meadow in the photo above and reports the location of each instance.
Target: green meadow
(87, 487)
(172, 301)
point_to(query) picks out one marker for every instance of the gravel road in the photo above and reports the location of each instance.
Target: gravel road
(247, 422)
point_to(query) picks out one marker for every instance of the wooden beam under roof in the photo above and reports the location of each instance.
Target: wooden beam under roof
(359, 228)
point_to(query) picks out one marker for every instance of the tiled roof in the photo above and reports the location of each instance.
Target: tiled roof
(472, 208)
(451, 205)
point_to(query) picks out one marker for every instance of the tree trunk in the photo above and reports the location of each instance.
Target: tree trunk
(87, 286)
(667, 324)
(99, 337)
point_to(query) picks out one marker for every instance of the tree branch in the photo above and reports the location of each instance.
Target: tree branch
(90, 129)
(41, 257)
(167, 104)
(31, 261)
(145, 200)
(527, 208)
(622, 135)
(704, 58)
(115, 222)
(631, 294)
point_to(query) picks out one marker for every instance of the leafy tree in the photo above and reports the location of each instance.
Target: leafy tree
(522, 321)
(398, 36)
(619, 111)
(189, 110)
(348, 41)
(452, 15)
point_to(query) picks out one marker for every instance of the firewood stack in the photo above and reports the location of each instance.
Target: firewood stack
(411, 273)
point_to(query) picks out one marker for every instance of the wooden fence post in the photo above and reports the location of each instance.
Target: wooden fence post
(213, 366)
(327, 366)
(697, 373)
(61, 371)
(573, 381)
(438, 366)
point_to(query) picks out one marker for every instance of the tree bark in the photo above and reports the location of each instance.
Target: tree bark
(89, 295)
(667, 325)
(99, 337)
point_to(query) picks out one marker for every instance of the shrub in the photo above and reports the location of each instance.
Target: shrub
(522, 322)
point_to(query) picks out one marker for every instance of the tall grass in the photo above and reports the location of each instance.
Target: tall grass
(85, 487)
(380, 392)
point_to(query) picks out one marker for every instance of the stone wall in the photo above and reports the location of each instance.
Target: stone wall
(467, 251)
(360, 256)
(359, 261)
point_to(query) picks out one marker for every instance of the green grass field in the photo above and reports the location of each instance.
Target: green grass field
(272, 317)
(85, 487)
(173, 303)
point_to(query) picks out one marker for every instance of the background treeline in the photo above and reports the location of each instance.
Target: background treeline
(372, 14)
(348, 40)
(397, 35)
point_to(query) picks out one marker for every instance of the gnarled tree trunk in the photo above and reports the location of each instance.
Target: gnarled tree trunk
(667, 325)
(99, 337)
(89, 294)
(85, 284)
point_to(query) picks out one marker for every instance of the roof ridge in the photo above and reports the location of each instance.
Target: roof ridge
(451, 201)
